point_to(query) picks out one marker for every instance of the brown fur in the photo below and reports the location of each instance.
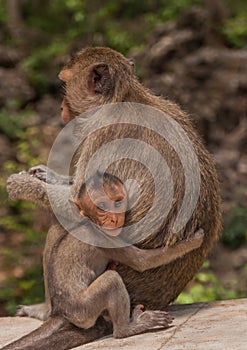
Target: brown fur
(154, 288)
(143, 288)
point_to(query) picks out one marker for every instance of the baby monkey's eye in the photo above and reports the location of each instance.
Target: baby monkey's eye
(118, 204)
(101, 206)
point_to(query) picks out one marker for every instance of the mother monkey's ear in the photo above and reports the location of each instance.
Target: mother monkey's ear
(99, 78)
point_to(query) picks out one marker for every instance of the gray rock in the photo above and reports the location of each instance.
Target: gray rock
(212, 326)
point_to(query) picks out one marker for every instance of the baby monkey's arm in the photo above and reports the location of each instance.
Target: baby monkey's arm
(145, 259)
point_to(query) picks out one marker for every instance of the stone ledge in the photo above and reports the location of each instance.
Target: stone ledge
(217, 325)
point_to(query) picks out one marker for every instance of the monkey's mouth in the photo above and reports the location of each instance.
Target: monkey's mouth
(111, 231)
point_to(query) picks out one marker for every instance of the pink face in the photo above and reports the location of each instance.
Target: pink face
(107, 209)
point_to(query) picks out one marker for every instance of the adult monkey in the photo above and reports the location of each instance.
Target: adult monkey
(95, 77)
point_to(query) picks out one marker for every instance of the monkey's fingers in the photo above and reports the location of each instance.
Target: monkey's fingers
(38, 169)
(199, 233)
(199, 236)
(44, 174)
(155, 318)
(164, 315)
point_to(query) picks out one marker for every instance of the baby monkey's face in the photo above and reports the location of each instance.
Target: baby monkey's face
(106, 208)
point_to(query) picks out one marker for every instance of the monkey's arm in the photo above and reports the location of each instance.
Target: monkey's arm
(145, 259)
(27, 187)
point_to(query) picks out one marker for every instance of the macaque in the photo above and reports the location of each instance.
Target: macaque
(103, 201)
(93, 78)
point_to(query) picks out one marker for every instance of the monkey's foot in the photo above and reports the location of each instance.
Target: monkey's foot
(39, 311)
(151, 318)
(143, 321)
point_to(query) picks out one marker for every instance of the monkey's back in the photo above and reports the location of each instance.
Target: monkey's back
(158, 287)
(154, 288)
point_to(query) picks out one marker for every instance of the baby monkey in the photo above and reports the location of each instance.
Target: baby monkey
(100, 205)
(103, 200)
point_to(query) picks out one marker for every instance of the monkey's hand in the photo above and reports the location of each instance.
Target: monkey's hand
(47, 175)
(193, 242)
(39, 171)
(27, 187)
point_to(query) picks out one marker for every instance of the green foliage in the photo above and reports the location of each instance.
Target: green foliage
(11, 123)
(18, 217)
(28, 288)
(169, 10)
(24, 290)
(36, 64)
(206, 287)
(118, 37)
(235, 229)
(3, 12)
(235, 30)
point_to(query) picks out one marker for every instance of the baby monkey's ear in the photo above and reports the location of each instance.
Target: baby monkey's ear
(76, 208)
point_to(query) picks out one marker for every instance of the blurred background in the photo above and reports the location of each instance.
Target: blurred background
(191, 51)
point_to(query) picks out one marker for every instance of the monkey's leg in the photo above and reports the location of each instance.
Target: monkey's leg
(108, 292)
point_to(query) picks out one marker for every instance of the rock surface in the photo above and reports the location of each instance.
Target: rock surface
(217, 325)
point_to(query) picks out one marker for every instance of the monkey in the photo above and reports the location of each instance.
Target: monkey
(103, 289)
(96, 77)
(140, 260)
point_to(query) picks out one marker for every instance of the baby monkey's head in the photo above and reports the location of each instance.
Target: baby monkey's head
(103, 200)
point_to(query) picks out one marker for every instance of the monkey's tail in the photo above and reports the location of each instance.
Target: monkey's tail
(58, 334)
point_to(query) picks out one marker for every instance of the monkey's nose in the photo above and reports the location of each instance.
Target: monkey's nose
(113, 220)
